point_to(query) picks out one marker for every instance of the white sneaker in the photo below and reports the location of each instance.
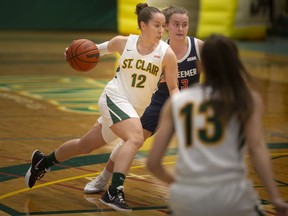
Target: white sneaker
(96, 185)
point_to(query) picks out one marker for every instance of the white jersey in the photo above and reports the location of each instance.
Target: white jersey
(210, 169)
(130, 91)
(208, 150)
(138, 75)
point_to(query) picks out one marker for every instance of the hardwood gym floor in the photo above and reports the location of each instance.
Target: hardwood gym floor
(44, 103)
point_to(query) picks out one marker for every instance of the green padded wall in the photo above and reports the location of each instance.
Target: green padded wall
(58, 14)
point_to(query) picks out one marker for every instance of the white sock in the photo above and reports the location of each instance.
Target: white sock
(105, 174)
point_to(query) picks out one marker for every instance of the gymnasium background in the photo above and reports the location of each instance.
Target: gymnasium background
(241, 19)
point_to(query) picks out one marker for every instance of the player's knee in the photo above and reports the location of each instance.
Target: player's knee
(138, 141)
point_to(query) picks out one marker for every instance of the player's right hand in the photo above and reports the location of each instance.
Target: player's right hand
(65, 52)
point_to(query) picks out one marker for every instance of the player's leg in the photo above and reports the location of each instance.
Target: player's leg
(130, 131)
(40, 163)
(149, 121)
(100, 182)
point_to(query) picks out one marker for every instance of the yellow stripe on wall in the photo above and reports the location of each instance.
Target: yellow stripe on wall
(221, 17)
(216, 16)
(127, 19)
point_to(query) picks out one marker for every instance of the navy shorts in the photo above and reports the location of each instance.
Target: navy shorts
(151, 115)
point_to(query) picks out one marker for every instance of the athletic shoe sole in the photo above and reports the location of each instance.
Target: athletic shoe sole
(27, 177)
(93, 191)
(115, 207)
(28, 173)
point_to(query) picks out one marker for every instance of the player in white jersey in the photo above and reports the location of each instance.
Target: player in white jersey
(214, 123)
(135, 81)
(144, 59)
(187, 50)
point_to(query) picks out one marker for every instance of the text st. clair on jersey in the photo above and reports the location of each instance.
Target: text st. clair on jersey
(141, 65)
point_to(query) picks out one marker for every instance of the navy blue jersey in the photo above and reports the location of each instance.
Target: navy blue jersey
(187, 76)
(187, 70)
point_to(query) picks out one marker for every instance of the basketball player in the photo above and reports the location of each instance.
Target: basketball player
(145, 58)
(187, 51)
(212, 122)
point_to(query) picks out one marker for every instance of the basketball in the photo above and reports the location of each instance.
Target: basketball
(82, 55)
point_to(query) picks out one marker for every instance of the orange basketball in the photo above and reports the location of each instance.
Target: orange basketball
(82, 55)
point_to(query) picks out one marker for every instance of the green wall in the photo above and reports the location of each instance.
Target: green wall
(58, 15)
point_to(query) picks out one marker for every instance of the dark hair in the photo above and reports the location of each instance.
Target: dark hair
(226, 74)
(144, 12)
(170, 10)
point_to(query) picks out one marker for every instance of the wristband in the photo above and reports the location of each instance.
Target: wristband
(103, 48)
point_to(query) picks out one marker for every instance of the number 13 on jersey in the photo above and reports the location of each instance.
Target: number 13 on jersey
(210, 133)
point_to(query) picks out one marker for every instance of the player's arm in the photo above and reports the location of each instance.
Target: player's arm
(116, 44)
(160, 145)
(259, 153)
(199, 47)
(171, 71)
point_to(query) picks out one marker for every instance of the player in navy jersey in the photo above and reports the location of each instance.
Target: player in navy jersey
(187, 50)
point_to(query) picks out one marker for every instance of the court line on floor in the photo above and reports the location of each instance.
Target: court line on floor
(64, 180)
(88, 175)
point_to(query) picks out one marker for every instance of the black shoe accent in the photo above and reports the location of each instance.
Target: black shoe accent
(116, 199)
(37, 169)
